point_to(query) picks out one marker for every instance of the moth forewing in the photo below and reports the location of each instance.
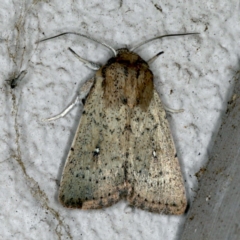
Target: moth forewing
(156, 166)
(123, 146)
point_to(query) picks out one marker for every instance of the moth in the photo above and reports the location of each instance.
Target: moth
(123, 147)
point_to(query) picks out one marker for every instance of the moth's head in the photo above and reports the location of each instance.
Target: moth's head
(122, 50)
(125, 55)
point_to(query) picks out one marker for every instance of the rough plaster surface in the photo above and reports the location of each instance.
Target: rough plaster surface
(195, 73)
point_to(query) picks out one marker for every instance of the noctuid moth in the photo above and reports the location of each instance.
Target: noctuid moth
(123, 148)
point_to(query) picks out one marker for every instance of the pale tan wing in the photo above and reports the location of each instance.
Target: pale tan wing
(154, 172)
(93, 175)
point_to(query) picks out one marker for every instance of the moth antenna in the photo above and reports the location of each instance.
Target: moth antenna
(89, 64)
(152, 39)
(82, 35)
(152, 59)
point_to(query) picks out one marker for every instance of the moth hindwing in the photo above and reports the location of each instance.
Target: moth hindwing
(123, 148)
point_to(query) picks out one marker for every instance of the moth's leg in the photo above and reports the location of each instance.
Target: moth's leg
(167, 109)
(83, 90)
(89, 64)
(82, 94)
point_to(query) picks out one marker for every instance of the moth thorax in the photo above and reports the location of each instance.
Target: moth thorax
(127, 80)
(138, 87)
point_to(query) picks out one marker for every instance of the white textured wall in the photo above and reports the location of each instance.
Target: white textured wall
(200, 70)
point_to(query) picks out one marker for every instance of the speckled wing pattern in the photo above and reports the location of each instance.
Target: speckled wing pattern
(155, 172)
(90, 179)
(123, 147)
